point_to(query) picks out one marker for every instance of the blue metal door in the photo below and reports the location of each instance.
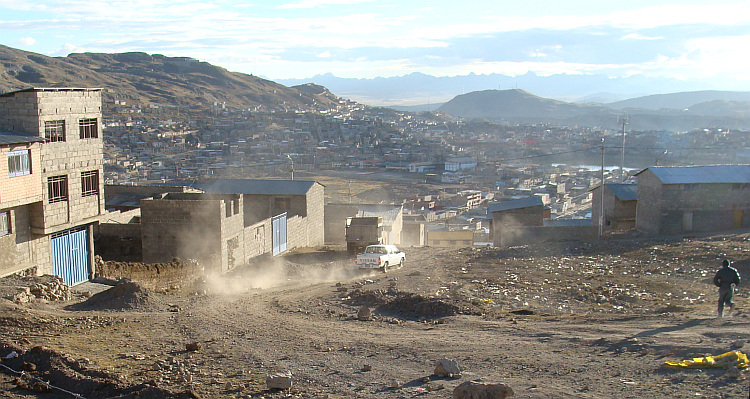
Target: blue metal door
(70, 255)
(278, 233)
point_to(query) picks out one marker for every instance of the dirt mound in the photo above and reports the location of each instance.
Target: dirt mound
(126, 295)
(403, 304)
(60, 372)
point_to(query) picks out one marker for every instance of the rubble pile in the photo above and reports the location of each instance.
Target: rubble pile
(62, 372)
(403, 304)
(126, 295)
(27, 289)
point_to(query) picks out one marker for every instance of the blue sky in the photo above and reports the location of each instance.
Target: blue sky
(365, 38)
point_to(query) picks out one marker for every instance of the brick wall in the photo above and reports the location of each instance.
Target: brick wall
(24, 189)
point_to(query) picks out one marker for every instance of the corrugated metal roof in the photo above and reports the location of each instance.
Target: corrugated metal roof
(527, 202)
(624, 192)
(10, 137)
(701, 174)
(257, 187)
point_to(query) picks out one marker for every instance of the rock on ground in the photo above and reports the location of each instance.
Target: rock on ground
(479, 390)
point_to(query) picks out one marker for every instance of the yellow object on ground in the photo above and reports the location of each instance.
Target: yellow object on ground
(725, 360)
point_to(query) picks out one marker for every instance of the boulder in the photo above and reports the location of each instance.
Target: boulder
(193, 346)
(479, 390)
(447, 368)
(281, 380)
(364, 314)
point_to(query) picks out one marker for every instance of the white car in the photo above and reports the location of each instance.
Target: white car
(380, 257)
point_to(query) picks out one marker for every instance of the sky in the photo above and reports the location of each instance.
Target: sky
(683, 39)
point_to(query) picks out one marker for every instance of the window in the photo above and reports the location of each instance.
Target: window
(54, 131)
(690, 187)
(90, 183)
(4, 223)
(19, 163)
(89, 128)
(282, 203)
(57, 187)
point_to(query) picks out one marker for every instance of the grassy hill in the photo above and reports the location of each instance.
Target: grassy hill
(143, 79)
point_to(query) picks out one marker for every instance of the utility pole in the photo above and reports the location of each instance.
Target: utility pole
(292, 162)
(601, 196)
(625, 119)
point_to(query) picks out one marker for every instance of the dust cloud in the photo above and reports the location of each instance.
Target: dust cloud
(279, 272)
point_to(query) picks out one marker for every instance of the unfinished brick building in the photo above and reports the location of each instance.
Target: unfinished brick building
(51, 189)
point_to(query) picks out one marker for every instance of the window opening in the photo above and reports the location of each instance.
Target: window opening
(54, 131)
(58, 188)
(19, 163)
(89, 128)
(90, 183)
(4, 223)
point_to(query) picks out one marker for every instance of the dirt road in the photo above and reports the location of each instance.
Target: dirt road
(579, 321)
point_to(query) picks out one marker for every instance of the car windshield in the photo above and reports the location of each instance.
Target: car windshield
(375, 250)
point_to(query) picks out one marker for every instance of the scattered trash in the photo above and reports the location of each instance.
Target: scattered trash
(725, 360)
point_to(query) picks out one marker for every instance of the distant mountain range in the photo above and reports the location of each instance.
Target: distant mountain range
(424, 91)
(143, 79)
(678, 111)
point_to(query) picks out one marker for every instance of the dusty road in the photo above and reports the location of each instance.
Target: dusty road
(579, 321)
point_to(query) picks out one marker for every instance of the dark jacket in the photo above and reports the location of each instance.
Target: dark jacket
(726, 276)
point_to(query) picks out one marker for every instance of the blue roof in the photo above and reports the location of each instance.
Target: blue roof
(257, 187)
(527, 202)
(8, 137)
(701, 174)
(624, 192)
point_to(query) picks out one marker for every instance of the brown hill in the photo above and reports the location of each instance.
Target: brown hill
(515, 104)
(140, 78)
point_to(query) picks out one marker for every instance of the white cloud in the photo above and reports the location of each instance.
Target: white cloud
(636, 36)
(321, 3)
(325, 54)
(27, 41)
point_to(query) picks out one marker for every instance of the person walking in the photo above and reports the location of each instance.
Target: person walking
(726, 279)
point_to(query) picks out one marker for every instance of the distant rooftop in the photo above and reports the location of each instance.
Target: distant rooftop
(624, 192)
(701, 174)
(527, 202)
(8, 137)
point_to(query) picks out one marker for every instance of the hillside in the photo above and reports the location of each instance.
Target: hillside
(513, 104)
(680, 101)
(518, 106)
(140, 78)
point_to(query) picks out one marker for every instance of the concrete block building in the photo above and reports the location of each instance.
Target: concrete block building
(232, 221)
(68, 171)
(678, 200)
(619, 202)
